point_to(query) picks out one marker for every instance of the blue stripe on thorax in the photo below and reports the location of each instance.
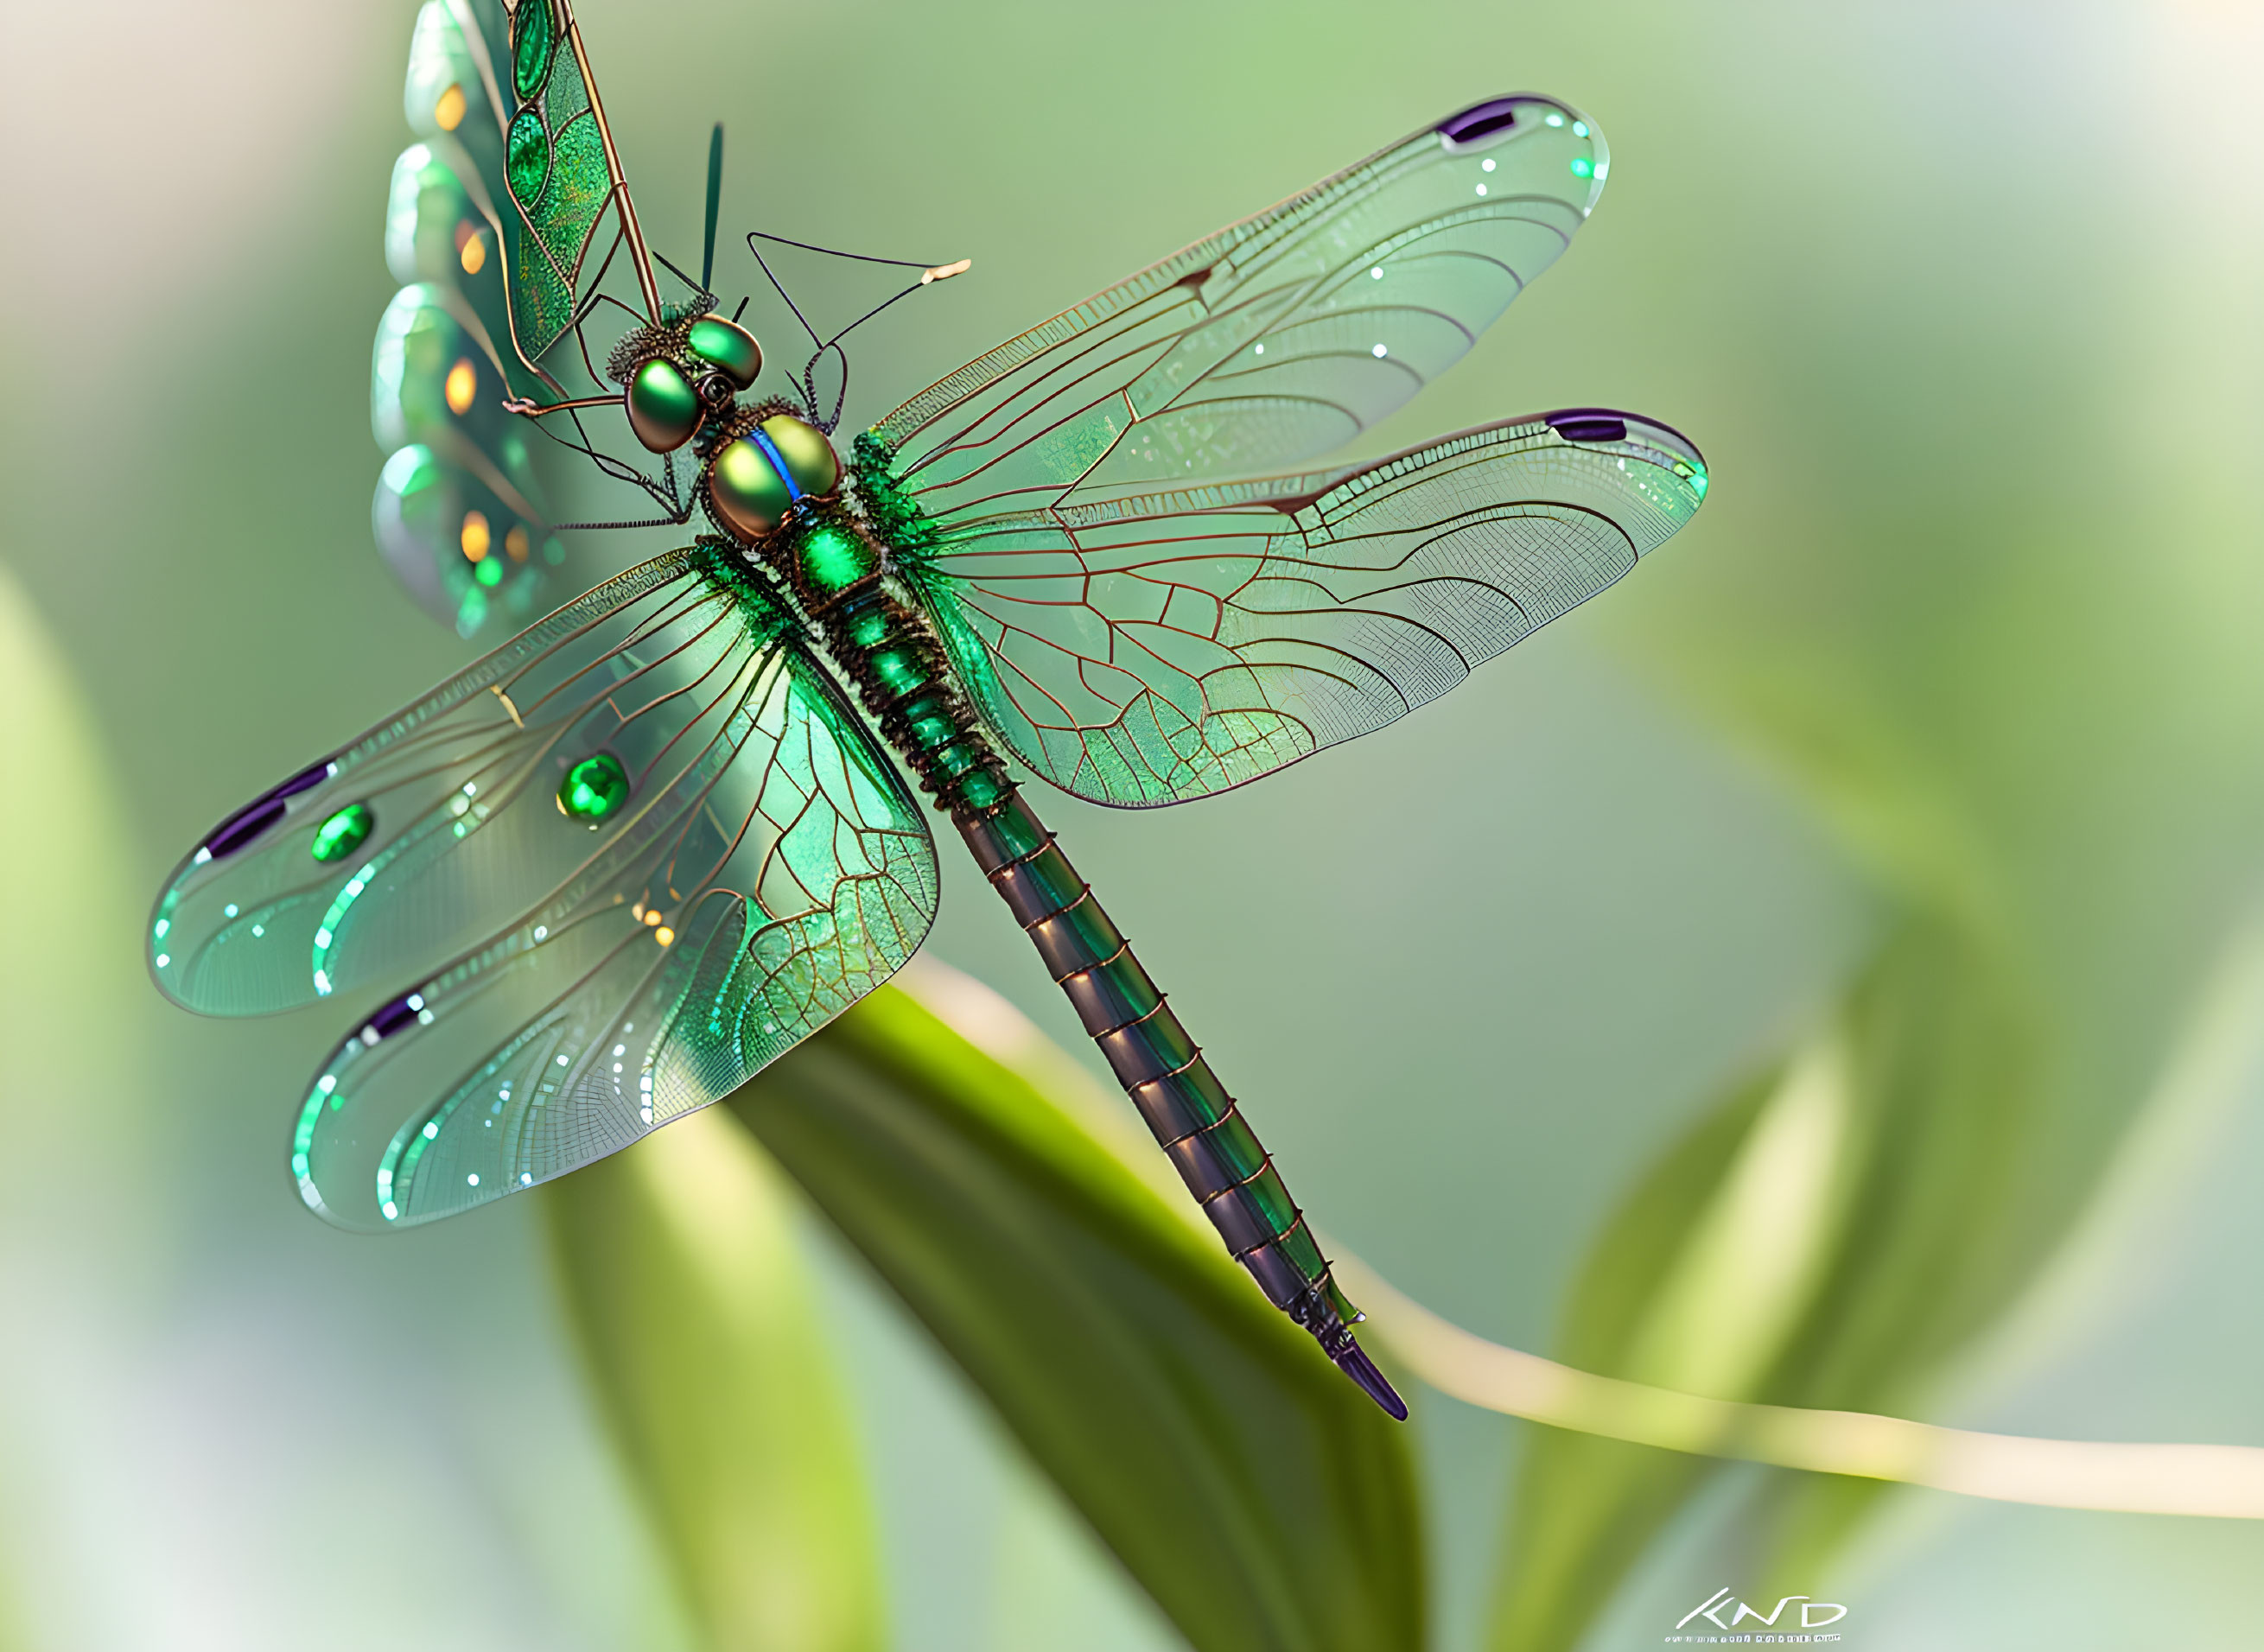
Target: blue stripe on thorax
(771, 452)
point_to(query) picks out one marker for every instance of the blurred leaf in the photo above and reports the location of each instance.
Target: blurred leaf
(1944, 1043)
(684, 1286)
(1259, 1499)
(74, 997)
(1824, 1239)
(1585, 1508)
(1942, 1228)
(79, 1204)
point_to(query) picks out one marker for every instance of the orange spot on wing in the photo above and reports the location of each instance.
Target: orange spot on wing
(462, 383)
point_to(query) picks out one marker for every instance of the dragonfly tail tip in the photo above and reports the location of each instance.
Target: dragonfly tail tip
(1353, 1360)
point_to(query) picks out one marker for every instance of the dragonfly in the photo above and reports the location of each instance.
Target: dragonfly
(673, 828)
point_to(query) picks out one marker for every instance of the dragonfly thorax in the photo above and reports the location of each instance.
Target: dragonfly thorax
(842, 578)
(761, 466)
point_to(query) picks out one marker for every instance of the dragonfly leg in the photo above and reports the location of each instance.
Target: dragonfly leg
(1193, 1117)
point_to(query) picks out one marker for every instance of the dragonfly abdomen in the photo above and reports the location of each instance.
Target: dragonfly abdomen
(1189, 1112)
(889, 651)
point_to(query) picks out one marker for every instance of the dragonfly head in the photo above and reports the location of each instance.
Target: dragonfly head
(674, 378)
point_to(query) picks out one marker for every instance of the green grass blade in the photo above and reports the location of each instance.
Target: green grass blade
(681, 1279)
(1256, 1495)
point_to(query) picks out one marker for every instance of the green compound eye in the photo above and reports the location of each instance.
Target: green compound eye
(664, 408)
(728, 347)
(343, 833)
(594, 788)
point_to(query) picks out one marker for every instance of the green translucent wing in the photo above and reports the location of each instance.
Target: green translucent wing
(444, 827)
(1150, 649)
(464, 504)
(1277, 339)
(461, 511)
(491, 224)
(498, 94)
(557, 169)
(789, 886)
(754, 867)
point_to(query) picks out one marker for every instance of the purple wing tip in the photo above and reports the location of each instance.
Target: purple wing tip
(262, 812)
(1609, 424)
(1480, 121)
(1353, 1360)
(1589, 427)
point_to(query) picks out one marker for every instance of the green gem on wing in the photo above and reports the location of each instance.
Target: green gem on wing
(593, 788)
(527, 159)
(648, 845)
(534, 37)
(343, 833)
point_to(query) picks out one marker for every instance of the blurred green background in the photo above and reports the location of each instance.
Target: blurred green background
(1940, 736)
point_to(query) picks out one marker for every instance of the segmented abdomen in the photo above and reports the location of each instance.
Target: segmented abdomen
(1193, 1117)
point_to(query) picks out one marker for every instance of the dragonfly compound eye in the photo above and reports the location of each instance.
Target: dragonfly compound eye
(664, 408)
(730, 348)
(757, 479)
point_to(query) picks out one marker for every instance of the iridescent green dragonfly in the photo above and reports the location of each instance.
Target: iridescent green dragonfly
(648, 845)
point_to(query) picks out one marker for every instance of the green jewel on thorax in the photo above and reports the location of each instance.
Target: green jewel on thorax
(828, 558)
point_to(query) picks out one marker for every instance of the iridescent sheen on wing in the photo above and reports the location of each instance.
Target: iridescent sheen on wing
(1153, 649)
(464, 506)
(628, 860)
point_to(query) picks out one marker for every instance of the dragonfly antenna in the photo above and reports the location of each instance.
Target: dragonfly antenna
(714, 203)
(668, 263)
(929, 275)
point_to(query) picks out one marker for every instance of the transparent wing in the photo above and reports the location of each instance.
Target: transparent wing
(793, 878)
(562, 178)
(1148, 650)
(464, 503)
(1279, 338)
(496, 228)
(444, 825)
